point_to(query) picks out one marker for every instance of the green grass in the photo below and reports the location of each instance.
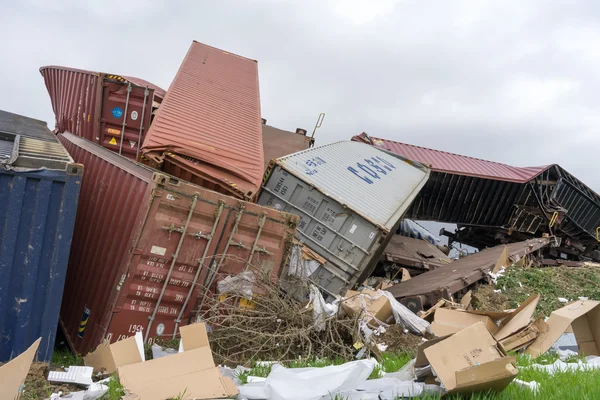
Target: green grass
(551, 283)
(65, 358)
(115, 389)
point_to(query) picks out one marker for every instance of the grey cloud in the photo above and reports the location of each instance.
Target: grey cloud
(514, 82)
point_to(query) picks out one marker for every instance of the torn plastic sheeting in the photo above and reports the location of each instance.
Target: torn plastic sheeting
(592, 362)
(299, 266)
(405, 317)
(407, 390)
(353, 395)
(73, 374)
(406, 373)
(309, 383)
(93, 392)
(159, 351)
(321, 309)
(241, 284)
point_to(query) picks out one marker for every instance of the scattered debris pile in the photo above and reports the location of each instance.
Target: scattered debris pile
(274, 326)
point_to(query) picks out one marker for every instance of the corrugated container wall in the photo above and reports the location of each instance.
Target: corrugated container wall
(112, 110)
(350, 196)
(208, 128)
(39, 191)
(143, 243)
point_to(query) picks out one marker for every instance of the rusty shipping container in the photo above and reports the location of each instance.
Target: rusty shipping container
(112, 110)
(143, 242)
(208, 128)
(278, 143)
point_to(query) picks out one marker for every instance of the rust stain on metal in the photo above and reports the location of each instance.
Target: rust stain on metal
(209, 123)
(418, 254)
(463, 272)
(132, 222)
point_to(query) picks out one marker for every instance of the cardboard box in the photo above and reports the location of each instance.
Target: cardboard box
(524, 337)
(518, 319)
(14, 372)
(447, 321)
(109, 357)
(470, 361)
(583, 317)
(375, 306)
(193, 371)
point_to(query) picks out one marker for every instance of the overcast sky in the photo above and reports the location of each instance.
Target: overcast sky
(510, 81)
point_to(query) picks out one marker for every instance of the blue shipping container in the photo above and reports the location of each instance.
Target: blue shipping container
(39, 190)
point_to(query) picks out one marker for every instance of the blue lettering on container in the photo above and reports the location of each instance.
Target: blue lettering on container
(375, 168)
(117, 112)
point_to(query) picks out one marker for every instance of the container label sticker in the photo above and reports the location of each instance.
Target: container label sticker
(112, 141)
(84, 320)
(134, 115)
(372, 235)
(113, 131)
(170, 197)
(117, 112)
(160, 329)
(352, 229)
(158, 250)
(132, 143)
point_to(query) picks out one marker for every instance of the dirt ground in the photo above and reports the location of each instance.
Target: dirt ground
(38, 387)
(400, 342)
(484, 298)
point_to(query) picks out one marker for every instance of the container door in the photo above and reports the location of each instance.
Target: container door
(126, 108)
(193, 238)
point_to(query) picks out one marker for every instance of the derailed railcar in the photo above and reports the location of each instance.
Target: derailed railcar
(350, 198)
(147, 244)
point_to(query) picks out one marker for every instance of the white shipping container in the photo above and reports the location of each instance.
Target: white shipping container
(350, 197)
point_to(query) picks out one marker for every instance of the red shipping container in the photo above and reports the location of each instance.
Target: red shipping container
(99, 106)
(143, 244)
(208, 128)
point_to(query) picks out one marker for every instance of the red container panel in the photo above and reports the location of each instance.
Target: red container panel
(137, 229)
(210, 121)
(96, 106)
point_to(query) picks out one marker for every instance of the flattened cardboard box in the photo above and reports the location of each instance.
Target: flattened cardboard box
(447, 321)
(471, 360)
(193, 371)
(583, 317)
(14, 372)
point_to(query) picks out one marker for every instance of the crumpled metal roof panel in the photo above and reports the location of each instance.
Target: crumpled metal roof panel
(443, 161)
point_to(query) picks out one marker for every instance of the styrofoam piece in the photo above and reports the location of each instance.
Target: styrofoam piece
(139, 340)
(74, 374)
(533, 385)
